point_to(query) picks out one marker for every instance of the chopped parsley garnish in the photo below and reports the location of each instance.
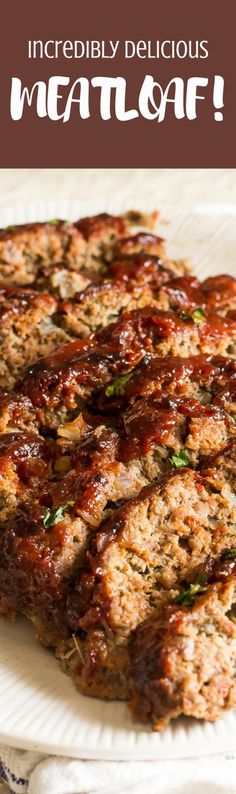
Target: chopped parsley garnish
(116, 389)
(230, 554)
(180, 459)
(187, 597)
(198, 316)
(234, 417)
(51, 518)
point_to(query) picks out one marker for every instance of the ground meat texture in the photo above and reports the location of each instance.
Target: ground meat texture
(139, 557)
(16, 413)
(220, 469)
(82, 244)
(39, 551)
(24, 248)
(134, 283)
(46, 542)
(226, 397)
(149, 434)
(111, 464)
(57, 384)
(139, 243)
(101, 233)
(147, 243)
(183, 659)
(99, 305)
(93, 302)
(137, 282)
(187, 294)
(157, 428)
(24, 464)
(61, 280)
(27, 331)
(99, 480)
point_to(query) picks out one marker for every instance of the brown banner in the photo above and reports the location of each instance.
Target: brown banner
(31, 138)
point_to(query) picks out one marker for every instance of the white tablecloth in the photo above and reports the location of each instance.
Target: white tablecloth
(37, 774)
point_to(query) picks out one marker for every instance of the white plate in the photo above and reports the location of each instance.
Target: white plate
(39, 707)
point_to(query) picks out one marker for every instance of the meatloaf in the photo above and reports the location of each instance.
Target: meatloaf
(60, 383)
(27, 331)
(85, 244)
(183, 658)
(117, 462)
(210, 379)
(107, 468)
(137, 561)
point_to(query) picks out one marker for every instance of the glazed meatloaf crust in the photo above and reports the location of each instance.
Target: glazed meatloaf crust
(117, 462)
(62, 382)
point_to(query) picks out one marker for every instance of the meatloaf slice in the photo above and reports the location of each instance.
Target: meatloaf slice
(101, 233)
(25, 462)
(183, 659)
(141, 280)
(40, 549)
(163, 430)
(188, 294)
(210, 379)
(153, 435)
(24, 248)
(27, 331)
(146, 243)
(107, 467)
(142, 242)
(58, 384)
(44, 542)
(137, 561)
(16, 413)
(128, 270)
(83, 244)
(134, 283)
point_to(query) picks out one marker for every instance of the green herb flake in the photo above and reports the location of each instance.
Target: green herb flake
(230, 554)
(56, 221)
(234, 417)
(117, 388)
(180, 459)
(187, 597)
(198, 316)
(10, 228)
(51, 518)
